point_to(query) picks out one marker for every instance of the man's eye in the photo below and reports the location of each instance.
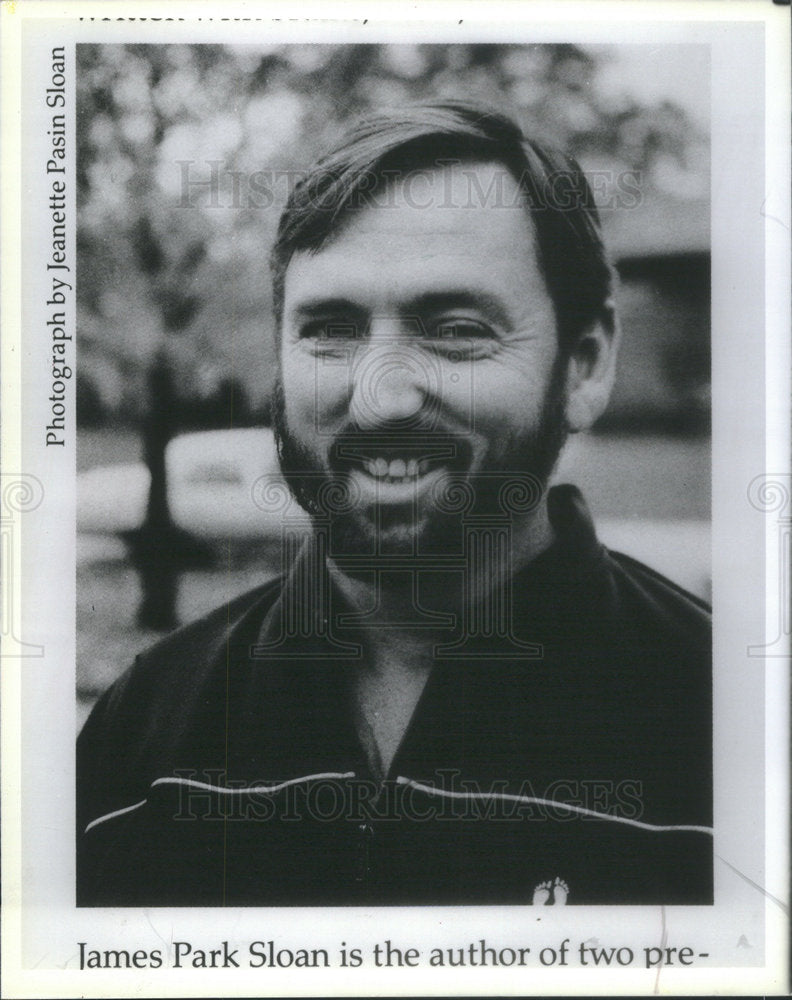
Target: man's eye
(330, 330)
(460, 329)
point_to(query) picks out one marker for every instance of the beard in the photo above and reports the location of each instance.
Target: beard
(509, 483)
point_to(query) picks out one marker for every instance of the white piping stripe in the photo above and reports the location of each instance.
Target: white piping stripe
(252, 788)
(505, 796)
(550, 802)
(267, 789)
(118, 812)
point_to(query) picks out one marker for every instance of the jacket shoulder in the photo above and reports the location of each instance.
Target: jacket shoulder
(655, 605)
(203, 633)
(172, 695)
(659, 586)
(180, 665)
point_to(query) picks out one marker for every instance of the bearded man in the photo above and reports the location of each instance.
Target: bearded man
(455, 694)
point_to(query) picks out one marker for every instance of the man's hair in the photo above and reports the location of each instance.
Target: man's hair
(387, 145)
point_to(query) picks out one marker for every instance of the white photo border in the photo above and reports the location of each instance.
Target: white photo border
(749, 45)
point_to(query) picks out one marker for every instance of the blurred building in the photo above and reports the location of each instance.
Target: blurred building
(662, 249)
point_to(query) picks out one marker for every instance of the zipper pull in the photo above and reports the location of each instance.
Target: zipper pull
(363, 865)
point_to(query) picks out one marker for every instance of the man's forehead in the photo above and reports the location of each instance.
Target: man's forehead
(429, 225)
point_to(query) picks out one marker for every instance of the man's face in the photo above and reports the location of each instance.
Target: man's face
(419, 351)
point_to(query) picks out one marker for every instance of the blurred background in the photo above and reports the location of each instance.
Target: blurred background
(185, 156)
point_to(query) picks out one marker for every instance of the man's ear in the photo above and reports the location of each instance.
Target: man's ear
(591, 370)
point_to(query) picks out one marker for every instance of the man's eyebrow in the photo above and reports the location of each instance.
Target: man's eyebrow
(422, 304)
(326, 306)
(460, 298)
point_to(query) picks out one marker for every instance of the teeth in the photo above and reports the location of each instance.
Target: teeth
(397, 468)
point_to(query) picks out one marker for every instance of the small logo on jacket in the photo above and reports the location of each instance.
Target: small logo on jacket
(551, 893)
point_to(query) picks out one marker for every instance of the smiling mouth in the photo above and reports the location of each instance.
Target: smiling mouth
(396, 470)
(400, 463)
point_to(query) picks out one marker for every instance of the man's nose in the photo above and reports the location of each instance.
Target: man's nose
(392, 379)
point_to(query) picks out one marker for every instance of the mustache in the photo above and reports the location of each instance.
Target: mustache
(432, 444)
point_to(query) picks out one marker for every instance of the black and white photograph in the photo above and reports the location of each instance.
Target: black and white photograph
(442, 687)
(402, 414)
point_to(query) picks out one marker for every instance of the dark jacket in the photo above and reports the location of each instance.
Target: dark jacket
(566, 757)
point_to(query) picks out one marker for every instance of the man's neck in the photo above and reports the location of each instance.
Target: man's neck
(404, 614)
(402, 603)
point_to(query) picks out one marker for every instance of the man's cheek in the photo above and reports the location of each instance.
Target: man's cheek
(305, 418)
(319, 390)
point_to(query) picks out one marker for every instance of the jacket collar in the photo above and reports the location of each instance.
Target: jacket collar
(291, 696)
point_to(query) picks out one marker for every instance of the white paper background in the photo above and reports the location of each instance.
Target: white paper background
(750, 322)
